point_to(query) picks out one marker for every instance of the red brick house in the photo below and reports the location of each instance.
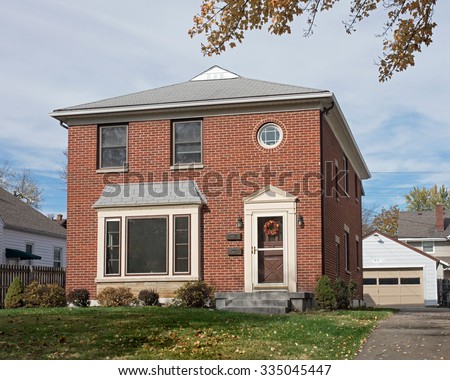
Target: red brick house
(250, 185)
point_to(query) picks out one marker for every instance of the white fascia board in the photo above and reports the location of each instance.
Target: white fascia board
(151, 107)
(422, 239)
(342, 131)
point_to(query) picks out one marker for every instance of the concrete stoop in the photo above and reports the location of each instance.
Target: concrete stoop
(267, 302)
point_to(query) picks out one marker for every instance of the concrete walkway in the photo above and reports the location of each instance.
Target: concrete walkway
(411, 334)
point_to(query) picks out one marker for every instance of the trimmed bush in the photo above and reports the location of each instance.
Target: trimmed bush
(113, 297)
(149, 297)
(79, 297)
(14, 295)
(324, 293)
(44, 295)
(341, 293)
(195, 294)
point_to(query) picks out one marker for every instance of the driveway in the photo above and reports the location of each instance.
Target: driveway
(411, 334)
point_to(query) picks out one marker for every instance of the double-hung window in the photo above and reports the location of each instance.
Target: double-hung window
(57, 257)
(187, 142)
(113, 146)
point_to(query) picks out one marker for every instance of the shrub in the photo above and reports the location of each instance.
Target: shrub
(110, 296)
(14, 295)
(79, 297)
(344, 293)
(195, 294)
(44, 295)
(149, 297)
(324, 293)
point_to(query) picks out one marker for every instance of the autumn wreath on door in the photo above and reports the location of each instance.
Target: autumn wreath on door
(272, 227)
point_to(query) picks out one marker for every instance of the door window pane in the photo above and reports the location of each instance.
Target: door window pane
(388, 281)
(147, 246)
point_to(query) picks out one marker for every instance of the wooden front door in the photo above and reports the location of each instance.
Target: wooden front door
(269, 249)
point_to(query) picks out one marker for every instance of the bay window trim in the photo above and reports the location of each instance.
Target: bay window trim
(167, 272)
(105, 236)
(174, 272)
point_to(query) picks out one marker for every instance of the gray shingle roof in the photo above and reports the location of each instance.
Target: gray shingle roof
(199, 90)
(421, 224)
(19, 216)
(150, 194)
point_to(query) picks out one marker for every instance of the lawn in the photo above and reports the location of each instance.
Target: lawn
(175, 333)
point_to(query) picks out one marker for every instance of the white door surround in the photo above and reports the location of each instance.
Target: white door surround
(267, 203)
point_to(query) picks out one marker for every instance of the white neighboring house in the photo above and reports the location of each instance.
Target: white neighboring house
(428, 231)
(28, 237)
(397, 274)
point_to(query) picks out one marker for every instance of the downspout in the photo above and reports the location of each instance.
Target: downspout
(64, 125)
(323, 113)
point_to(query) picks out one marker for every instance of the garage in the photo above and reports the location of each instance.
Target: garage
(393, 287)
(395, 273)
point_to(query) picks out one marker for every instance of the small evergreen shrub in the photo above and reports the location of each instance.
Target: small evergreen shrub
(79, 297)
(195, 294)
(14, 295)
(324, 293)
(44, 295)
(113, 297)
(149, 297)
(341, 292)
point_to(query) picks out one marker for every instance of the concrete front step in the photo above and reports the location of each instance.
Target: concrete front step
(257, 309)
(267, 302)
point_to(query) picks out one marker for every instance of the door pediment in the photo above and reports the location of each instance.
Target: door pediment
(270, 194)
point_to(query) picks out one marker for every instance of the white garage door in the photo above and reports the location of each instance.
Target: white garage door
(393, 287)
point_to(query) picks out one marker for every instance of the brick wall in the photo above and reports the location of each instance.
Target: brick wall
(234, 167)
(338, 211)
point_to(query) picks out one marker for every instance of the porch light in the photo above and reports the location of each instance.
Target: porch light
(300, 221)
(239, 223)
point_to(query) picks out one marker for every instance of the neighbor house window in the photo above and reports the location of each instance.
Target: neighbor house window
(187, 142)
(112, 247)
(57, 257)
(113, 146)
(428, 246)
(181, 244)
(29, 248)
(147, 248)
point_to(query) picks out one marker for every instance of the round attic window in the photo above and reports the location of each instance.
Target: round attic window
(270, 136)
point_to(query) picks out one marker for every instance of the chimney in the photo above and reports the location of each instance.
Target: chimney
(439, 217)
(59, 217)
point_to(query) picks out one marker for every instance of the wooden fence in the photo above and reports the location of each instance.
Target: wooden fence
(28, 274)
(444, 292)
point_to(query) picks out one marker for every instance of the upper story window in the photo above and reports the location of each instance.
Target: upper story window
(187, 142)
(428, 246)
(113, 146)
(270, 136)
(345, 169)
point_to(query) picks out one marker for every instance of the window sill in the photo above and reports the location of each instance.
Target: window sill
(186, 167)
(135, 279)
(347, 271)
(112, 170)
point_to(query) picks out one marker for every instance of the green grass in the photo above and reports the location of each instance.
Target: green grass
(174, 333)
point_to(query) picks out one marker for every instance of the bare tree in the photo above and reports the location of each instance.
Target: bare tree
(65, 170)
(21, 184)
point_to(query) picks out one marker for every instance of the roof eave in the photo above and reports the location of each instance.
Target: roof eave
(67, 113)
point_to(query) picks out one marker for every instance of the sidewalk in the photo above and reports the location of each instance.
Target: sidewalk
(410, 334)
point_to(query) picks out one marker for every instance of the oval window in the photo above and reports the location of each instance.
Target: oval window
(270, 136)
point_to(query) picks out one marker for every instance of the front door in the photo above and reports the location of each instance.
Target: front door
(269, 250)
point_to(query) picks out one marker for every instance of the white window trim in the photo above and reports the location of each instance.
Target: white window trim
(60, 256)
(432, 251)
(170, 211)
(262, 143)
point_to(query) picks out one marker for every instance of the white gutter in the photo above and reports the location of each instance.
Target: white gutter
(422, 239)
(203, 103)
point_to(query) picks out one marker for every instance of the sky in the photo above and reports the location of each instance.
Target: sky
(59, 53)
